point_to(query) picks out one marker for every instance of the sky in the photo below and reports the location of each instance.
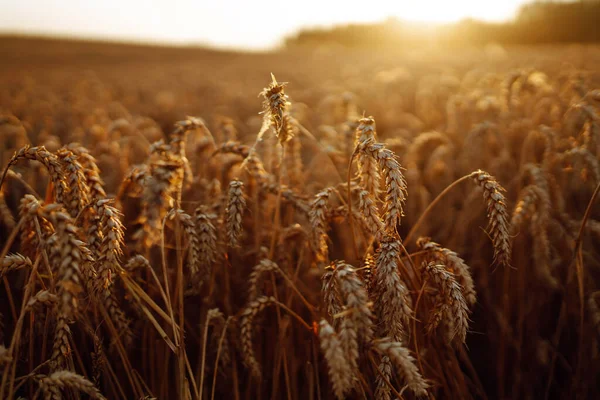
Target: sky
(248, 24)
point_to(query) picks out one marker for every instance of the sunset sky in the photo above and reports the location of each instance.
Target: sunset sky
(230, 23)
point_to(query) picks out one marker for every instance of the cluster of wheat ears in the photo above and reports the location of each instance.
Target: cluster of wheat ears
(215, 266)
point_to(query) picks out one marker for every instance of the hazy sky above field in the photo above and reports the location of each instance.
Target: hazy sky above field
(232, 23)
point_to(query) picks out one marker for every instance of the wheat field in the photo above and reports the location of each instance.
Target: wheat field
(310, 224)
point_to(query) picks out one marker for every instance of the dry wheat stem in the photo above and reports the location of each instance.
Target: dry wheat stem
(10, 368)
(213, 313)
(220, 346)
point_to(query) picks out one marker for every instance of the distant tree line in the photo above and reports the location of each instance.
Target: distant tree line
(535, 23)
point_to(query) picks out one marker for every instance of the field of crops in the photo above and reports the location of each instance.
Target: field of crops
(319, 223)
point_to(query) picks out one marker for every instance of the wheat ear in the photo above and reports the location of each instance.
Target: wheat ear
(454, 264)
(368, 170)
(246, 325)
(404, 363)
(67, 379)
(393, 303)
(236, 206)
(396, 190)
(339, 369)
(451, 301)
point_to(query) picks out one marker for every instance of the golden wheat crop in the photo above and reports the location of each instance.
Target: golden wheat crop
(401, 226)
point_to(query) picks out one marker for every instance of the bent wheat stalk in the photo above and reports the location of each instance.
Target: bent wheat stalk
(498, 226)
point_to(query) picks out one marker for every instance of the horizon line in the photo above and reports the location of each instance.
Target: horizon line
(200, 43)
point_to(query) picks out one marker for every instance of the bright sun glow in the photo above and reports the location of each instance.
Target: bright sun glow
(455, 10)
(234, 23)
